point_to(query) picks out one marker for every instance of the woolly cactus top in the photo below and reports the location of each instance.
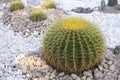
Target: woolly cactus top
(74, 23)
(37, 12)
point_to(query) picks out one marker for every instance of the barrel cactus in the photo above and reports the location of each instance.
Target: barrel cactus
(16, 5)
(49, 4)
(37, 15)
(112, 2)
(103, 5)
(73, 45)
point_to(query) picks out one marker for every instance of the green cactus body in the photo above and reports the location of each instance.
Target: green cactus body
(103, 5)
(73, 45)
(49, 4)
(112, 2)
(37, 15)
(16, 5)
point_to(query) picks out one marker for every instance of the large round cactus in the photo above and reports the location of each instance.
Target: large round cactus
(73, 45)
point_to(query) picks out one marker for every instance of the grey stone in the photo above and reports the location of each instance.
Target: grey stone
(87, 74)
(103, 61)
(83, 78)
(100, 79)
(89, 10)
(66, 77)
(1, 65)
(109, 62)
(38, 74)
(108, 77)
(44, 70)
(47, 77)
(109, 55)
(106, 70)
(112, 68)
(100, 67)
(54, 72)
(29, 75)
(98, 75)
(32, 68)
(51, 70)
(74, 76)
(96, 70)
(61, 74)
(117, 50)
(82, 10)
(105, 66)
(52, 76)
(78, 10)
(78, 78)
(119, 77)
(24, 69)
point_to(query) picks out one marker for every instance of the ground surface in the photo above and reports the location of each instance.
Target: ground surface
(21, 57)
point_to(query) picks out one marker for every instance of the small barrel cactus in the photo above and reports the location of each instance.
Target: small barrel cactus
(112, 2)
(16, 5)
(37, 15)
(73, 45)
(103, 5)
(49, 4)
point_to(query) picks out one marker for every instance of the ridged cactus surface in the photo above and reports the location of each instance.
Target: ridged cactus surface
(37, 15)
(73, 45)
(16, 5)
(49, 4)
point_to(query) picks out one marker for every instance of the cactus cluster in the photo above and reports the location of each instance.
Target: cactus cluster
(73, 45)
(16, 5)
(37, 15)
(49, 4)
(112, 2)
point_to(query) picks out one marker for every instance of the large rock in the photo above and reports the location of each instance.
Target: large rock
(117, 50)
(82, 10)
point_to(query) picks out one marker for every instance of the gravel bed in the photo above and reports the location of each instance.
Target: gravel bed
(21, 56)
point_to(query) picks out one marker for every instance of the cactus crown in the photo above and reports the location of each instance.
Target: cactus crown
(37, 12)
(74, 23)
(73, 45)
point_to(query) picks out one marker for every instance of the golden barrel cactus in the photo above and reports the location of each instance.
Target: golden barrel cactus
(49, 4)
(73, 45)
(16, 5)
(37, 15)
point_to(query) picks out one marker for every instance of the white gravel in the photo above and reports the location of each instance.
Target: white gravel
(15, 45)
(12, 46)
